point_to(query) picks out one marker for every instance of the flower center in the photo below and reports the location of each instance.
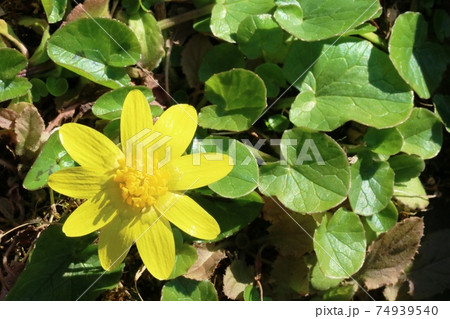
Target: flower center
(138, 189)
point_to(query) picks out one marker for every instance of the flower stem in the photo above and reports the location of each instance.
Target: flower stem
(170, 22)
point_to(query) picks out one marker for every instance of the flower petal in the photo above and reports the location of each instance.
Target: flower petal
(197, 170)
(136, 118)
(179, 122)
(88, 147)
(115, 240)
(91, 215)
(156, 244)
(78, 182)
(186, 214)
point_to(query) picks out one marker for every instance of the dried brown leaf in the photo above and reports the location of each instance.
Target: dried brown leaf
(389, 255)
(7, 118)
(206, 263)
(28, 128)
(237, 277)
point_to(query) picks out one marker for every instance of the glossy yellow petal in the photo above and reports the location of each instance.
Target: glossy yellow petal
(197, 170)
(78, 182)
(115, 240)
(186, 214)
(92, 215)
(88, 147)
(154, 240)
(136, 119)
(179, 123)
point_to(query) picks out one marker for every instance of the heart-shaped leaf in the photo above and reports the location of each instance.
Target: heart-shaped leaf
(11, 63)
(340, 244)
(372, 185)
(313, 175)
(239, 97)
(98, 58)
(345, 80)
(420, 63)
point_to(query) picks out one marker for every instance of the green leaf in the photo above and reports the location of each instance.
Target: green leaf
(245, 173)
(185, 257)
(406, 167)
(109, 105)
(52, 158)
(422, 134)
(251, 293)
(340, 244)
(231, 215)
(149, 35)
(90, 9)
(99, 59)
(411, 194)
(278, 123)
(384, 220)
(57, 86)
(54, 9)
(228, 14)
(372, 185)
(239, 97)
(341, 293)
(63, 268)
(430, 273)
(220, 58)
(183, 289)
(11, 63)
(442, 109)
(389, 255)
(38, 89)
(313, 175)
(272, 76)
(386, 141)
(351, 80)
(312, 20)
(321, 282)
(441, 24)
(259, 35)
(420, 63)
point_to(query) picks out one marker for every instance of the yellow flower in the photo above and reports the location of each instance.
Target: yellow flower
(132, 198)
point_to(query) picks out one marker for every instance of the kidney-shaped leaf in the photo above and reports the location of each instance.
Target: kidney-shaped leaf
(313, 175)
(340, 244)
(348, 80)
(85, 47)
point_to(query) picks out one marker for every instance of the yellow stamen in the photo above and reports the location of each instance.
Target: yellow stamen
(138, 189)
